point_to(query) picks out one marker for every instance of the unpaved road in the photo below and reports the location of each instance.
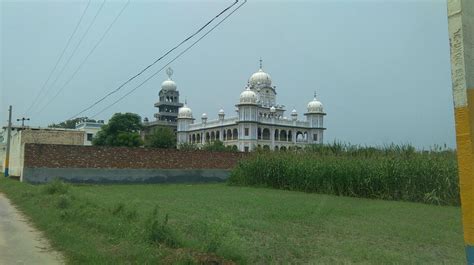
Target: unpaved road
(20, 243)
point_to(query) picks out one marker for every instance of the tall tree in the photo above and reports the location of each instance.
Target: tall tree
(122, 130)
(161, 137)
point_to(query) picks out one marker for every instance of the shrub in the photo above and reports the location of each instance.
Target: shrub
(219, 147)
(187, 147)
(160, 232)
(56, 187)
(64, 201)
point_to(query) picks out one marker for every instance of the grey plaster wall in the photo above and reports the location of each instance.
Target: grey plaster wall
(111, 175)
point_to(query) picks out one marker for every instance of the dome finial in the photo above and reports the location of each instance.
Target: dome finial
(261, 63)
(315, 95)
(169, 72)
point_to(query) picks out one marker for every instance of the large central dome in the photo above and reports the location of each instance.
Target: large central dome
(260, 78)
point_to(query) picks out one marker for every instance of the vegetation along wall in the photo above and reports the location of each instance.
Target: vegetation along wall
(99, 164)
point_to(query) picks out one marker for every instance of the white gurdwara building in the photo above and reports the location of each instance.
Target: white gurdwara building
(260, 121)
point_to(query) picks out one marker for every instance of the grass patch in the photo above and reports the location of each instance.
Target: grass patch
(221, 224)
(389, 173)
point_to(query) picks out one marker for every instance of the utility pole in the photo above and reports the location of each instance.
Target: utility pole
(461, 40)
(23, 121)
(9, 131)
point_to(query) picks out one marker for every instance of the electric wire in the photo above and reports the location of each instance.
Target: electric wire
(59, 59)
(154, 62)
(175, 58)
(75, 48)
(87, 57)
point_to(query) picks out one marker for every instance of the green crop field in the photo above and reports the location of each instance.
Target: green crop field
(394, 172)
(172, 224)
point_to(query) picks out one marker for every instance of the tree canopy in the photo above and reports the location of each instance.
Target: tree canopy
(122, 130)
(161, 137)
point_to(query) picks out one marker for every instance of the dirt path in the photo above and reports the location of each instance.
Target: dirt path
(20, 243)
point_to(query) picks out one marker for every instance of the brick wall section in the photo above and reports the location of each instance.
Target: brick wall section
(71, 156)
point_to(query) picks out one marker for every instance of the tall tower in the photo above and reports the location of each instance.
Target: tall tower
(185, 118)
(247, 123)
(168, 103)
(315, 117)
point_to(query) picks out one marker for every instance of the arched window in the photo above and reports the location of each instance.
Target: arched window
(235, 134)
(283, 135)
(259, 133)
(266, 134)
(290, 136)
(276, 135)
(218, 135)
(213, 136)
(208, 137)
(229, 134)
(299, 136)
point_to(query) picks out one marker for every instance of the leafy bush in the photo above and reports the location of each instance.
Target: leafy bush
(160, 232)
(219, 147)
(64, 201)
(56, 187)
(391, 172)
(187, 147)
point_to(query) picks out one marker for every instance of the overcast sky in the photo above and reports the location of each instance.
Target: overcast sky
(381, 70)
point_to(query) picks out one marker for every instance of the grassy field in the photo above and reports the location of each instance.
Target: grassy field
(126, 224)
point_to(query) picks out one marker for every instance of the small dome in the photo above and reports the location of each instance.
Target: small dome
(204, 116)
(272, 109)
(221, 112)
(248, 96)
(260, 78)
(168, 85)
(315, 106)
(294, 113)
(185, 112)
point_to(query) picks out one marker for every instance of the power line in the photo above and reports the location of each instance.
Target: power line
(59, 59)
(87, 57)
(77, 45)
(157, 60)
(176, 57)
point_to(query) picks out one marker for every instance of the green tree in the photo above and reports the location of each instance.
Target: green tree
(161, 137)
(122, 130)
(70, 124)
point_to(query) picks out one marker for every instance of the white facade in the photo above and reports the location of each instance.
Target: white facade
(260, 121)
(90, 129)
(21, 135)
